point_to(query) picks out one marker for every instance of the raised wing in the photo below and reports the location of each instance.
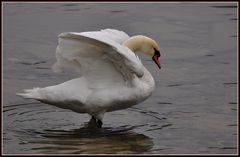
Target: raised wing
(111, 34)
(99, 57)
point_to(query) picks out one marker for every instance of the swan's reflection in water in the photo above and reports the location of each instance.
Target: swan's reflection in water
(91, 140)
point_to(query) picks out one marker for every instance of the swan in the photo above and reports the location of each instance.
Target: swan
(112, 77)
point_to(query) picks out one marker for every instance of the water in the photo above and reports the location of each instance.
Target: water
(193, 109)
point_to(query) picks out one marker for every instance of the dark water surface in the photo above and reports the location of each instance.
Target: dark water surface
(192, 110)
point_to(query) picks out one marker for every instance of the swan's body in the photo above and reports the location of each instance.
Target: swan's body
(112, 76)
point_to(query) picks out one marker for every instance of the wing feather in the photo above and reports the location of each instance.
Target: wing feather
(99, 58)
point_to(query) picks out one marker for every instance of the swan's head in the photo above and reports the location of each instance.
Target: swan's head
(151, 48)
(145, 45)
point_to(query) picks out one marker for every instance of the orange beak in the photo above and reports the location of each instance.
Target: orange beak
(156, 58)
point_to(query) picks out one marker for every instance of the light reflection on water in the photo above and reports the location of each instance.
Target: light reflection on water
(88, 140)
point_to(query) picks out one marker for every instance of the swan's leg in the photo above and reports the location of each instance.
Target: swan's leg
(98, 122)
(98, 118)
(93, 118)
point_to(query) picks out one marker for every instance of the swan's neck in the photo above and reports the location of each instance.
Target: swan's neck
(142, 43)
(148, 79)
(145, 84)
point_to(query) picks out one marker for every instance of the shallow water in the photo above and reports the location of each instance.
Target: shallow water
(192, 110)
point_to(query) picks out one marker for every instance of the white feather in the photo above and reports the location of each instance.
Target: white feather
(112, 76)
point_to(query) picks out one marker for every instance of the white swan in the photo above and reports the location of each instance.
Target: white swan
(112, 75)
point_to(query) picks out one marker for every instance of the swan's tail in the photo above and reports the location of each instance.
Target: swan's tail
(31, 94)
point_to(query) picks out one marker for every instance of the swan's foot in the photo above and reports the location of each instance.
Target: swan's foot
(97, 121)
